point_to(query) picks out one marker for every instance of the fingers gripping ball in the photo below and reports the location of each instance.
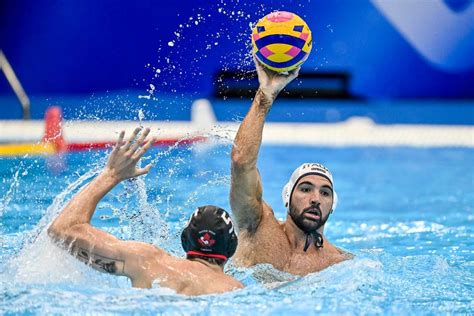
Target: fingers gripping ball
(281, 41)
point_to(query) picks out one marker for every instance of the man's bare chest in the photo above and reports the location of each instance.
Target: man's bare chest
(277, 251)
(303, 263)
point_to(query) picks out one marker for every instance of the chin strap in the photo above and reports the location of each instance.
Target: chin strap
(318, 240)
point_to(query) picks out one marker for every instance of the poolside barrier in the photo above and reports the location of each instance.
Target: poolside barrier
(55, 135)
(18, 136)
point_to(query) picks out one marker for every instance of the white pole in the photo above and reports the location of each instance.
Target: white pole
(16, 85)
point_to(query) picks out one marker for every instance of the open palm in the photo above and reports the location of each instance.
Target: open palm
(125, 155)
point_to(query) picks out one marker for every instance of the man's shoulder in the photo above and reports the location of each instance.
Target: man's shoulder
(269, 214)
(341, 253)
(269, 233)
(269, 221)
(144, 249)
(344, 253)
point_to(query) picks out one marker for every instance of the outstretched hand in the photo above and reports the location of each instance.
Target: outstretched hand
(123, 160)
(272, 82)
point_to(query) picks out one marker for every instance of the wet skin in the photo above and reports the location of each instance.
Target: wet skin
(311, 201)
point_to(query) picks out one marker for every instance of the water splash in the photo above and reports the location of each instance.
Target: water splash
(384, 278)
(10, 193)
(202, 33)
(146, 223)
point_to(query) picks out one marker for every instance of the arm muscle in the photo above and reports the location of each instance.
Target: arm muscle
(106, 253)
(246, 187)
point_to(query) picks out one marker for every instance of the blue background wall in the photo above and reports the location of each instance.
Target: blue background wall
(59, 47)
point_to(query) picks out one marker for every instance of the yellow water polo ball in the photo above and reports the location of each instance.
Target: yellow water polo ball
(281, 41)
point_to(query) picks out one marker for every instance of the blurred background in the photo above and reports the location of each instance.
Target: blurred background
(106, 59)
(405, 65)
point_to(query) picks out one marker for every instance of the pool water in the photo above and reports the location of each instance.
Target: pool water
(405, 213)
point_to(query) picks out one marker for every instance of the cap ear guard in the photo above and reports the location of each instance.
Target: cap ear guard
(285, 194)
(335, 200)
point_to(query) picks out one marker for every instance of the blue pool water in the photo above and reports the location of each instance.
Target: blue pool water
(406, 214)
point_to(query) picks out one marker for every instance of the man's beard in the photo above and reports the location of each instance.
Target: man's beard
(310, 226)
(305, 224)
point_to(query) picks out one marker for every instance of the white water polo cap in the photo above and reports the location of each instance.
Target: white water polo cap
(304, 170)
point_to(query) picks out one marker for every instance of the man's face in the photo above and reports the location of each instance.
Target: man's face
(311, 202)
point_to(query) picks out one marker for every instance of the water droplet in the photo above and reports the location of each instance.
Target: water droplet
(141, 115)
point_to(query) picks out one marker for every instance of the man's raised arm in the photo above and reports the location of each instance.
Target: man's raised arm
(102, 251)
(246, 187)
